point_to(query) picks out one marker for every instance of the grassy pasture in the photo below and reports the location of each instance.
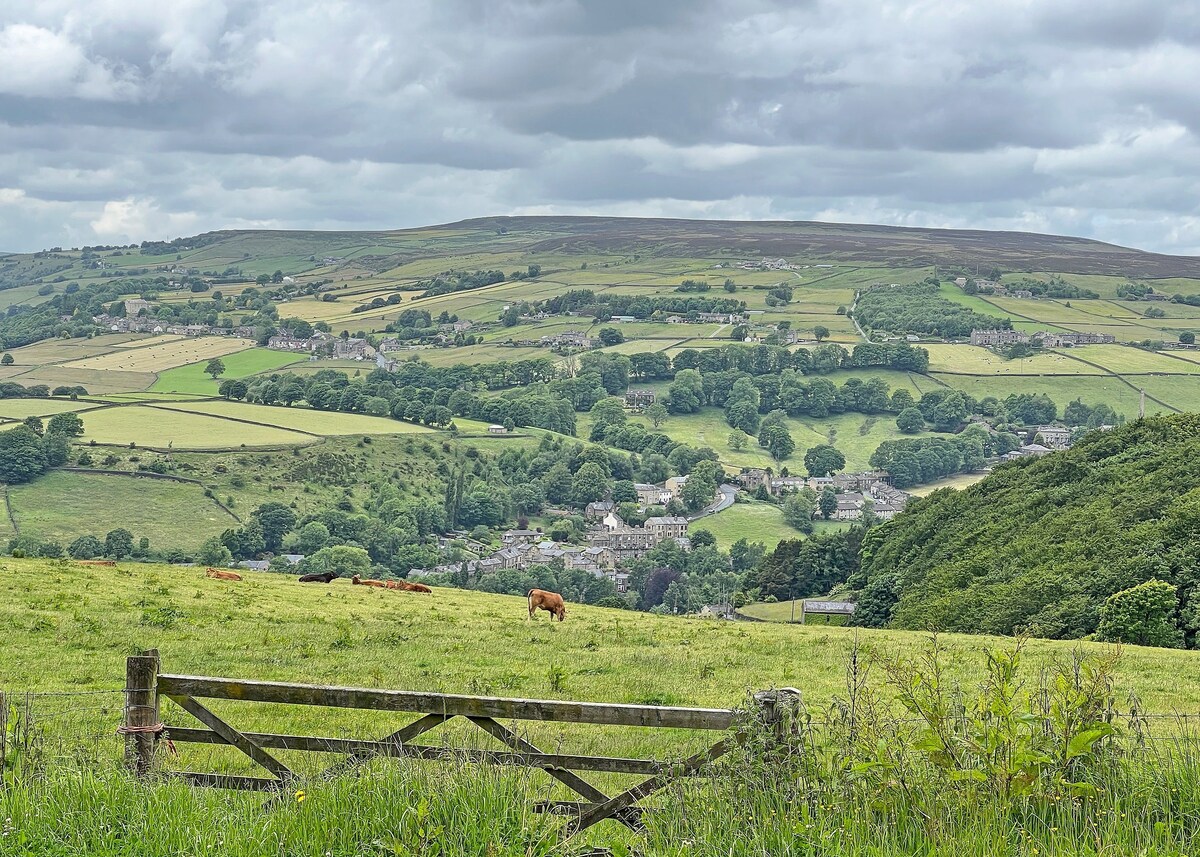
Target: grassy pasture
(962, 480)
(19, 409)
(300, 419)
(1120, 359)
(193, 379)
(164, 355)
(755, 522)
(971, 359)
(1091, 390)
(161, 339)
(58, 351)
(641, 657)
(63, 506)
(159, 427)
(97, 381)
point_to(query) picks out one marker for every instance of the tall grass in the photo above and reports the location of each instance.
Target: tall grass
(908, 760)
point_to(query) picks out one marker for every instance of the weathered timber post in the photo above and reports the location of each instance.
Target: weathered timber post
(777, 708)
(3, 738)
(142, 726)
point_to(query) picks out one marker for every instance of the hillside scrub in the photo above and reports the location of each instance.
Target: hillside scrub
(1039, 545)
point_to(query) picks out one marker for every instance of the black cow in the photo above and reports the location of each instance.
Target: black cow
(323, 577)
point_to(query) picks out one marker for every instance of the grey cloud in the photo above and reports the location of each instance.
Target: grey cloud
(1075, 116)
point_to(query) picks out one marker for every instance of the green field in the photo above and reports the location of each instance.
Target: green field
(63, 506)
(755, 522)
(193, 378)
(160, 428)
(973, 360)
(788, 612)
(300, 419)
(19, 409)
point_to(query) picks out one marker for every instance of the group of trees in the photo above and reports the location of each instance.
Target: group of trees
(604, 306)
(116, 544)
(30, 449)
(915, 461)
(1100, 539)
(920, 308)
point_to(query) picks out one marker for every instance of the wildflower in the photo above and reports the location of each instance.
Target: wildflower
(300, 796)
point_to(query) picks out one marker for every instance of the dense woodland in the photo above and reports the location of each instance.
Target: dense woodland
(919, 308)
(1043, 545)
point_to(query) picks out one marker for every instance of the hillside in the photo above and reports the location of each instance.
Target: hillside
(1038, 545)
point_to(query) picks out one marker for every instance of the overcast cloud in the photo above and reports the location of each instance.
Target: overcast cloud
(122, 120)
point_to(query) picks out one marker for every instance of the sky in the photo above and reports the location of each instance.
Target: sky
(127, 120)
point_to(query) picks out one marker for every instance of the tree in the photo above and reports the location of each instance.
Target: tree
(511, 315)
(22, 456)
(737, 440)
(213, 553)
(7, 359)
(276, 520)
(776, 440)
(703, 538)
(1187, 338)
(215, 367)
(68, 424)
(910, 421)
(589, 484)
(611, 336)
(34, 424)
(827, 503)
(233, 389)
(343, 560)
(820, 332)
(1143, 615)
(312, 537)
(824, 460)
(86, 547)
(656, 413)
(118, 543)
(685, 392)
(798, 510)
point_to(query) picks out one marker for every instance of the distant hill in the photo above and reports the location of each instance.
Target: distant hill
(888, 246)
(883, 245)
(1039, 544)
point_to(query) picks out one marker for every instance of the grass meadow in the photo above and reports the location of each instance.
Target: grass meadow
(270, 627)
(62, 505)
(192, 378)
(159, 427)
(299, 418)
(157, 356)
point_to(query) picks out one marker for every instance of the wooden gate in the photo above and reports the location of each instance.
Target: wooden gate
(147, 685)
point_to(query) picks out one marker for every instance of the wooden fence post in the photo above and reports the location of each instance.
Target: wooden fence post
(141, 726)
(3, 738)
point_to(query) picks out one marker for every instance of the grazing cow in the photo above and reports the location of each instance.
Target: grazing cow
(414, 587)
(320, 577)
(217, 574)
(551, 602)
(358, 581)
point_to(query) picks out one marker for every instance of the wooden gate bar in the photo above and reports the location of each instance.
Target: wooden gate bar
(392, 749)
(559, 711)
(399, 737)
(572, 781)
(227, 781)
(232, 736)
(611, 807)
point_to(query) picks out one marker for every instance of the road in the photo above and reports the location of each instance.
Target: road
(728, 495)
(854, 319)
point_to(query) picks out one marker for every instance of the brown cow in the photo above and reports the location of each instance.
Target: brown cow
(414, 587)
(551, 602)
(358, 581)
(217, 574)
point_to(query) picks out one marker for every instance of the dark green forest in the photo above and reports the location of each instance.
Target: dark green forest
(1044, 545)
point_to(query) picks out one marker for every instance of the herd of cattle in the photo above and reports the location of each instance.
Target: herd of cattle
(539, 599)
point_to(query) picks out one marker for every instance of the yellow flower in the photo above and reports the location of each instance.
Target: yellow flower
(300, 796)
